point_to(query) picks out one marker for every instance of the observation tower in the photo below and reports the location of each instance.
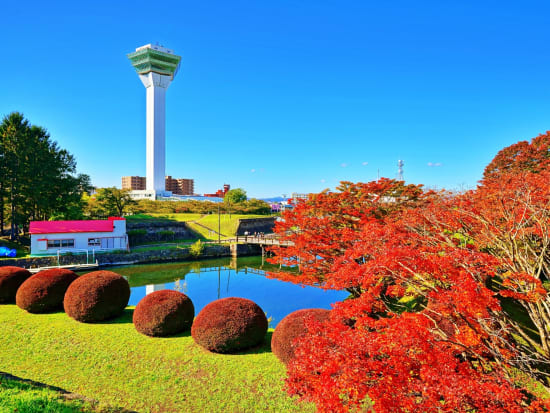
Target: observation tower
(156, 67)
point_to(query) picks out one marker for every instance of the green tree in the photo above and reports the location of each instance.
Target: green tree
(235, 196)
(37, 178)
(114, 201)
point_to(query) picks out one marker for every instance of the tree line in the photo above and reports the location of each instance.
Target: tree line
(113, 201)
(38, 179)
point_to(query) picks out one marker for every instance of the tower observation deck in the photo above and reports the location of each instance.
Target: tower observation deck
(156, 67)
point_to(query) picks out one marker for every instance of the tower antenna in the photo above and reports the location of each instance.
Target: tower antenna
(400, 164)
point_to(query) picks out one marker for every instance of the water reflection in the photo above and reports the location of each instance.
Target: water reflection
(206, 281)
(151, 288)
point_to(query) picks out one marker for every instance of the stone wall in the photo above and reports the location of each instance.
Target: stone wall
(124, 258)
(239, 250)
(154, 231)
(252, 225)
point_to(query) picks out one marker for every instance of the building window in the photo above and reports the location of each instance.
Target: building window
(54, 243)
(61, 243)
(94, 242)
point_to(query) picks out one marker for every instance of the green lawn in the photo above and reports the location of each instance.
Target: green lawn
(23, 397)
(114, 364)
(159, 248)
(202, 233)
(228, 223)
(184, 217)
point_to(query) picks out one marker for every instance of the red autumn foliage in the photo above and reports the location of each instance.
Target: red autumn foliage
(10, 280)
(45, 290)
(424, 331)
(229, 324)
(521, 157)
(326, 225)
(508, 216)
(163, 313)
(97, 296)
(290, 328)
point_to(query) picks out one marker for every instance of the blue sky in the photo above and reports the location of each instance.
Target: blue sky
(285, 96)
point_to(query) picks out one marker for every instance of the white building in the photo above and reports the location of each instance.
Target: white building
(49, 237)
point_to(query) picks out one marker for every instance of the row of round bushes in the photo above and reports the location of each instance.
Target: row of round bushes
(223, 326)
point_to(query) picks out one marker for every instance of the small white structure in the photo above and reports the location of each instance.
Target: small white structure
(51, 237)
(156, 67)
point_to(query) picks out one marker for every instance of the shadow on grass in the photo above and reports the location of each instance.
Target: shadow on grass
(127, 318)
(46, 313)
(124, 318)
(264, 347)
(36, 403)
(186, 333)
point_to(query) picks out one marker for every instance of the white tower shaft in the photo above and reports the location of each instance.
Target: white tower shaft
(156, 85)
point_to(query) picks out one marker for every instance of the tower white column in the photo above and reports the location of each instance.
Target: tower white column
(156, 86)
(156, 67)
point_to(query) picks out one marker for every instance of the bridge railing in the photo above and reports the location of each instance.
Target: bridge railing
(255, 239)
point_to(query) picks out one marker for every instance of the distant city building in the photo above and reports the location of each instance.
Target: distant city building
(296, 196)
(220, 193)
(179, 186)
(134, 183)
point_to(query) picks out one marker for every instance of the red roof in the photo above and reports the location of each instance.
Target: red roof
(57, 227)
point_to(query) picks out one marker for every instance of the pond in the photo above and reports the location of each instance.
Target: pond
(208, 280)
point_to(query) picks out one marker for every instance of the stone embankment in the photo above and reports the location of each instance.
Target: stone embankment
(128, 258)
(256, 225)
(150, 231)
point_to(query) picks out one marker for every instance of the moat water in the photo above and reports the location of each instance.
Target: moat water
(207, 280)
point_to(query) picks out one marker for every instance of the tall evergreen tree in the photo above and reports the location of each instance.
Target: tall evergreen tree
(37, 178)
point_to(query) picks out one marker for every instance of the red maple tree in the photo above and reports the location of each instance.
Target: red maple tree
(429, 274)
(521, 157)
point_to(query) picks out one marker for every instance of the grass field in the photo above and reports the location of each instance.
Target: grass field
(114, 364)
(228, 223)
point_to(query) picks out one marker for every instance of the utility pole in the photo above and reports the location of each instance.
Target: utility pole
(219, 225)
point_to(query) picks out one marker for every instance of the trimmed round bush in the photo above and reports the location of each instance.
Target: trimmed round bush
(164, 313)
(10, 280)
(97, 296)
(292, 327)
(45, 290)
(229, 324)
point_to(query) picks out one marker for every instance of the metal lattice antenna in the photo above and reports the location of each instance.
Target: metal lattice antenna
(400, 164)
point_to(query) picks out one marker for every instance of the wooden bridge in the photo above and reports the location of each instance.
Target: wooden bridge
(262, 240)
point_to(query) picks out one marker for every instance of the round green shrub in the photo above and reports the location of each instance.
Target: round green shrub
(292, 327)
(97, 296)
(45, 290)
(164, 313)
(10, 280)
(229, 324)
